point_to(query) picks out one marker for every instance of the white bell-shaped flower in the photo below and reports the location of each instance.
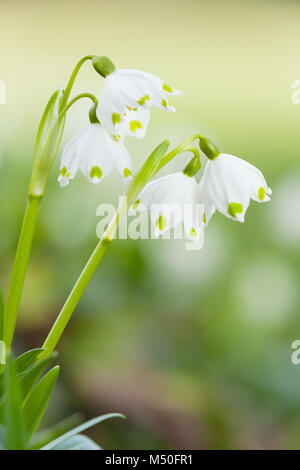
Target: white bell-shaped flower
(227, 185)
(126, 98)
(95, 153)
(171, 200)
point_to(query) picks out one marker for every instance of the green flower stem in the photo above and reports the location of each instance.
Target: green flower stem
(183, 147)
(81, 284)
(19, 270)
(76, 98)
(73, 78)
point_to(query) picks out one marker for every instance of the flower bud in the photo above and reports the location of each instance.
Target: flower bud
(103, 65)
(209, 148)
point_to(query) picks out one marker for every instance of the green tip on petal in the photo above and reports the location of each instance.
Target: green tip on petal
(127, 172)
(167, 88)
(134, 125)
(204, 218)
(115, 117)
(164, 103)
(193, 232)
(261, 193)
(234, 208)
(136, 204)
(103, 65)
(161, 222)
(96, 172)
(64, 173)
(143, 100)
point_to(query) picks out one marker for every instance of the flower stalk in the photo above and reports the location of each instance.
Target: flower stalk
(19, 269)
(73, 78)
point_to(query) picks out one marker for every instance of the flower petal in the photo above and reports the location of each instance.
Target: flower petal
(122, 160)
(96, 162)
(224, 188)
(167, 198)
(126, 92)
(70, 159)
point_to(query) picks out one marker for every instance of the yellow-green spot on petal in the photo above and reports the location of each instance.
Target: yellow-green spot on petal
(127, 172)
(96, 172)
(134, 125)
(193, 232)
(261, 193)
(143, 100)
(115, 117)
(167, 88)
(116, 137)
(164, 103)
(136, 204)
(204, 218)
(161, 222)
(234, 208)
(63, 171)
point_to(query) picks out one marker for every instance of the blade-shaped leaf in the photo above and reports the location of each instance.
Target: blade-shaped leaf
(38, 400)
(22, 363)
(78, 442)
(15, 431)
(81, 428)
(146, 172)
(29, 378)
(27, 359)
(47, 435)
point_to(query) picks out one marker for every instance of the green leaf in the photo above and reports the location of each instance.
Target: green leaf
(147, 171)
(38, 400)
(29, 378)
(49, 118)
(48, 139)
(26, 360)
(81, 428)
(78, 442)
(47, 435)
(15, 431)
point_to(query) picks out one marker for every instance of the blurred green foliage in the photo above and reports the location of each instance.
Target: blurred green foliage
(193, 347)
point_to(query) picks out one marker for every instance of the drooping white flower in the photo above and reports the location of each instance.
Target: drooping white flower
(227, 185)
(95, 153)
(126, 98)
(171, 200)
